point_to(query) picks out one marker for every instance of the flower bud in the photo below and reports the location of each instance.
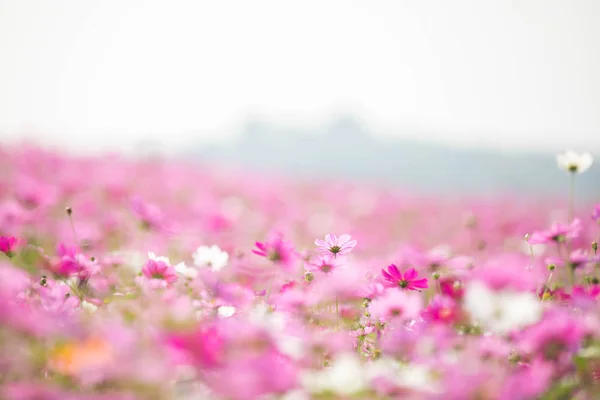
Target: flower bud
(69, 210)
(436, 275)
(309, 276)
(595, 246)
(551, 267)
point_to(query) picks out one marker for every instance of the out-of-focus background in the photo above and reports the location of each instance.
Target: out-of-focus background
(432, 95)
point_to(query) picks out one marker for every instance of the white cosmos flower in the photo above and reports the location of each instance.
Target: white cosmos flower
(88, 307)
(186, 271)
(212, 257)
(346, 376)
(573, 162)
(501, 311)
(412, 376)
(226, 311)
(154, 257)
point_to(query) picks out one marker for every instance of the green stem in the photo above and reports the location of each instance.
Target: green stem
(547, 285)
(270, 287)
(571, 196)
(337, 311)
(73, 230)
(572, 275)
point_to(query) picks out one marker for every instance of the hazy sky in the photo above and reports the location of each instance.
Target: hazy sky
(104, 74)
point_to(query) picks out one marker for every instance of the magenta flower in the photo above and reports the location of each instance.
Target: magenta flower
(69, 261)
(150, 215)
(557, 233)
(336, 245)
(276, 249)
(441, 309)
(409, 280)
(202, 347)
(8, 245)
(159, 270)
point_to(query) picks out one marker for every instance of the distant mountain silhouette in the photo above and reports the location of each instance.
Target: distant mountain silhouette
(345, 149)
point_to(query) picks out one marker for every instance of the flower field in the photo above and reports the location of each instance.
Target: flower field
(163, 279)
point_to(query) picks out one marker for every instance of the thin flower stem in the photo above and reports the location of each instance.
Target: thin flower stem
(73, 230)
(596, 264)
(337, 311)
(531, 253)
(572, 275)
(547, 285)
(270, 287)
(571, 196)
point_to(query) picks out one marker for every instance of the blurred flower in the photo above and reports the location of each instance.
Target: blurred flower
(276, 249)
(345, 376)
(7, 245)
(76, 357)
(212, 257)
(89, 307)
(395, 278)
(226, 311)
(334, 245)
(442, 309)
(149, 214)
(159, 270)
(152, 256)
(326, 263)
(501, 311)
(396, 304)
(186, 271)
(556, 333)
(570, 161)
(558, 233)
(202, 347)
(596, 214)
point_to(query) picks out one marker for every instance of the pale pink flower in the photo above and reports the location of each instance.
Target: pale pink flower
(276, 249)
(557, 233)
(325, 263)
(336, 245)
(159, 270)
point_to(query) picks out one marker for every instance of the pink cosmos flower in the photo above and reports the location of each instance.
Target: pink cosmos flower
(159, 270)
(528, 381)
(557, 233)
(276, 249)
(557, 333)
(150, 215)
(325, 263)
(8, 245)
(596, 214)
(202, 347)
(69, 261)
(395, 278)
(336, 245)
(591, 292)
(396, 304)
(371, 290)
(452, 287)
(442, 309)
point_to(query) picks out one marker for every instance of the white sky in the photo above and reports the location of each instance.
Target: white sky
(104, 74)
